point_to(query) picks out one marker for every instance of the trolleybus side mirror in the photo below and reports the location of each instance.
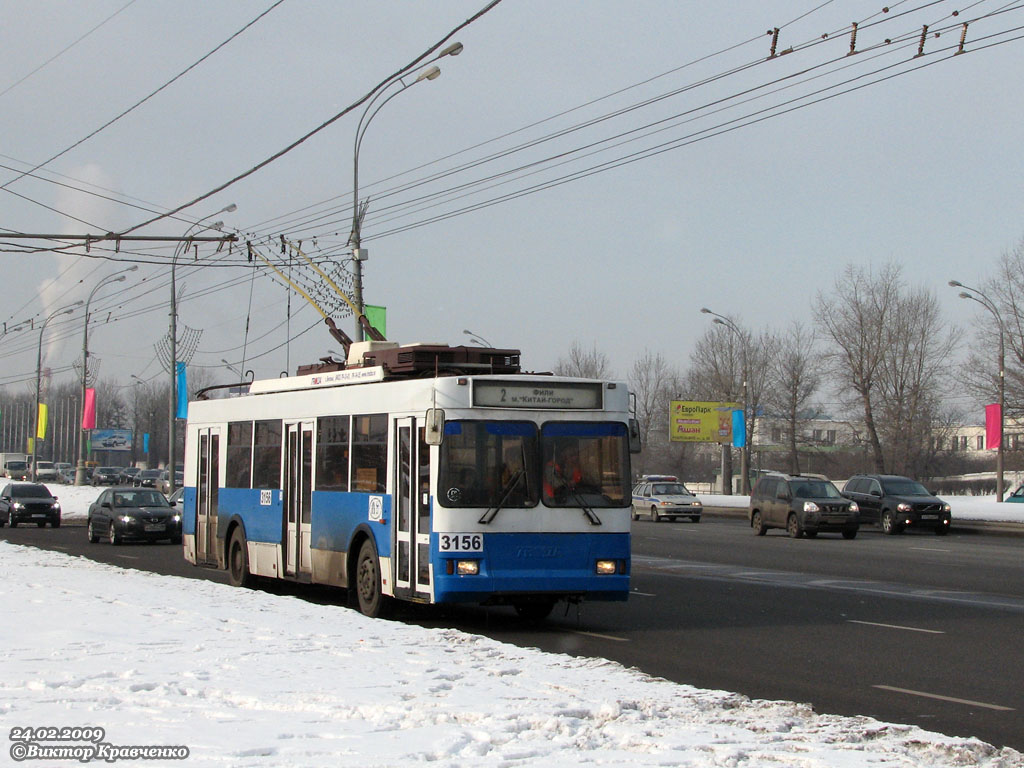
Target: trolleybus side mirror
(434, 428)
(634, 436)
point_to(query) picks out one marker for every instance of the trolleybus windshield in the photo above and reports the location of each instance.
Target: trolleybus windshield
(515, 464)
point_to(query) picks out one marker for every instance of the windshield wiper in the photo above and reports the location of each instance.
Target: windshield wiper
(510, 486)
(587, 511)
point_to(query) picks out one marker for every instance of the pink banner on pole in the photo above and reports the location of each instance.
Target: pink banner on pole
(993, 427)
(89, 410)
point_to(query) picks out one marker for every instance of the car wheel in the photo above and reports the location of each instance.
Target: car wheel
(793, 527)
(115, 538)
(12, 520)
(654, 515)
(850, 534)
(889, 525)
(238, 561)
(633, 514)
(93, 536)
(757, 523)
(372, 601)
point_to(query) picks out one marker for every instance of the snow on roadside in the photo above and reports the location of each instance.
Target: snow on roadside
(247, 678)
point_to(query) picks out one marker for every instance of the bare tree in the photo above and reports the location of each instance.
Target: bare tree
(853, 317)
(588, 364)
(652, 381)
(795, 373)
(891, 347)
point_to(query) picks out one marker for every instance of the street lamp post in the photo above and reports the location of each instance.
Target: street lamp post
(172, 403)
(360, 254)
(745, 450)
(116, 277)
(478, 339)
(988, 304)
(39, 371)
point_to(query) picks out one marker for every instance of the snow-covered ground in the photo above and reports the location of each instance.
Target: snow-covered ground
(248, 678)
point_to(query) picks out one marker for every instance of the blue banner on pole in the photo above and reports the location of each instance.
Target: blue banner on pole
(182, 386)
(739, 429)
(145, 442)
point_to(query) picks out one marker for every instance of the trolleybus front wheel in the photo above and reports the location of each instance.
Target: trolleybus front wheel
(372, 601)
(238, 561)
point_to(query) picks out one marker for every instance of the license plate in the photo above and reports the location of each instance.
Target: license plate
(929, 517)
(38, 514)
(460, 542)
(153, 527)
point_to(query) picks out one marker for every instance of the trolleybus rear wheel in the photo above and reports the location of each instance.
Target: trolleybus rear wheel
(372, 600)
(238, 561)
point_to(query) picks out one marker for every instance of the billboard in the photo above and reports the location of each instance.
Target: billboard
(111, 440)
(693, 421)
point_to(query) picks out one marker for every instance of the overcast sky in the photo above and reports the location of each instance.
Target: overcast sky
(555, 242)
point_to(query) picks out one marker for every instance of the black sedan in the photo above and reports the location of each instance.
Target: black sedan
(105, 475)
(133, 513)
(147, 478)
(28, 503)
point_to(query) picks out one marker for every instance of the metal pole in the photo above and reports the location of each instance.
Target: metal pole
(39, 370)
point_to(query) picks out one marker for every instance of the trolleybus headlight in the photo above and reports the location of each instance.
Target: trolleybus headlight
(606, 567)
(467, 567)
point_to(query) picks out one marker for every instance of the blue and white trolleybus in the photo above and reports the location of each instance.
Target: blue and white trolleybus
(426, 473)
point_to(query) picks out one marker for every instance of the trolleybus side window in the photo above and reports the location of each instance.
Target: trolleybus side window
(239, 470)
(489, 464)
(332, 452)
(369, 452)
(586, 464)
(266, 455)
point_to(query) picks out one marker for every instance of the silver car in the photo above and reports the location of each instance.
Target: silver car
(659, 500)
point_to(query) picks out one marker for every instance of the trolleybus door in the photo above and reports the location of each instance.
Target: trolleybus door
(298, 488)
(411, 490)
(207, 485)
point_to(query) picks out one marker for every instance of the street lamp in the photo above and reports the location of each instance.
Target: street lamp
(478, 339)
(745, 450)
(172, 402)
(39, 370)
(115, 277)
(359, 254)
(988, 304)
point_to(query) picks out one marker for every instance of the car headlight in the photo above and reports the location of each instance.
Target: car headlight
(946, 508)
(696, 504)
(18, 505)
(56, 505)
(904, 507)
(176, 518)
(810, 506)
(854, 506)
(126, 519)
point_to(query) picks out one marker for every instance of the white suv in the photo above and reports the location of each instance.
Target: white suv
(45, 471)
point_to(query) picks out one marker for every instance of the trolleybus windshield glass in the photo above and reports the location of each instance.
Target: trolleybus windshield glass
(489, 463)
(586, 464)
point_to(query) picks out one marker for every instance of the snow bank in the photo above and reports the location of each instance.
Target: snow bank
(245, 678)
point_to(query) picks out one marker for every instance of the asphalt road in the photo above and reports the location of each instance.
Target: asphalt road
(909, 629)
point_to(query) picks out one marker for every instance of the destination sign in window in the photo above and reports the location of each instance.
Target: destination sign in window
(537, 395)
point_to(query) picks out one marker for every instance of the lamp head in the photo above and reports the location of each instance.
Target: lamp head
(431, 73)
(705, 310)
(231, 208)
(965, 295)
(955, 284)
(718, 320)
(452, 50)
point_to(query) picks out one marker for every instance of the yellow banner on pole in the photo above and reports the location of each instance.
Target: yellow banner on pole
(43, 413)
(699, 421)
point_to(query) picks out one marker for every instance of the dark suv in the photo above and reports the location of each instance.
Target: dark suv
(896, 502)
(803, 505)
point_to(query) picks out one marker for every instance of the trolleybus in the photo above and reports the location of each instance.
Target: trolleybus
(425, 473)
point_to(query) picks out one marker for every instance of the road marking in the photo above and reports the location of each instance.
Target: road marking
(944, 698)
(896, 626)
(129, 557)
(930, 549)
(597, 635)
(643, 594)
